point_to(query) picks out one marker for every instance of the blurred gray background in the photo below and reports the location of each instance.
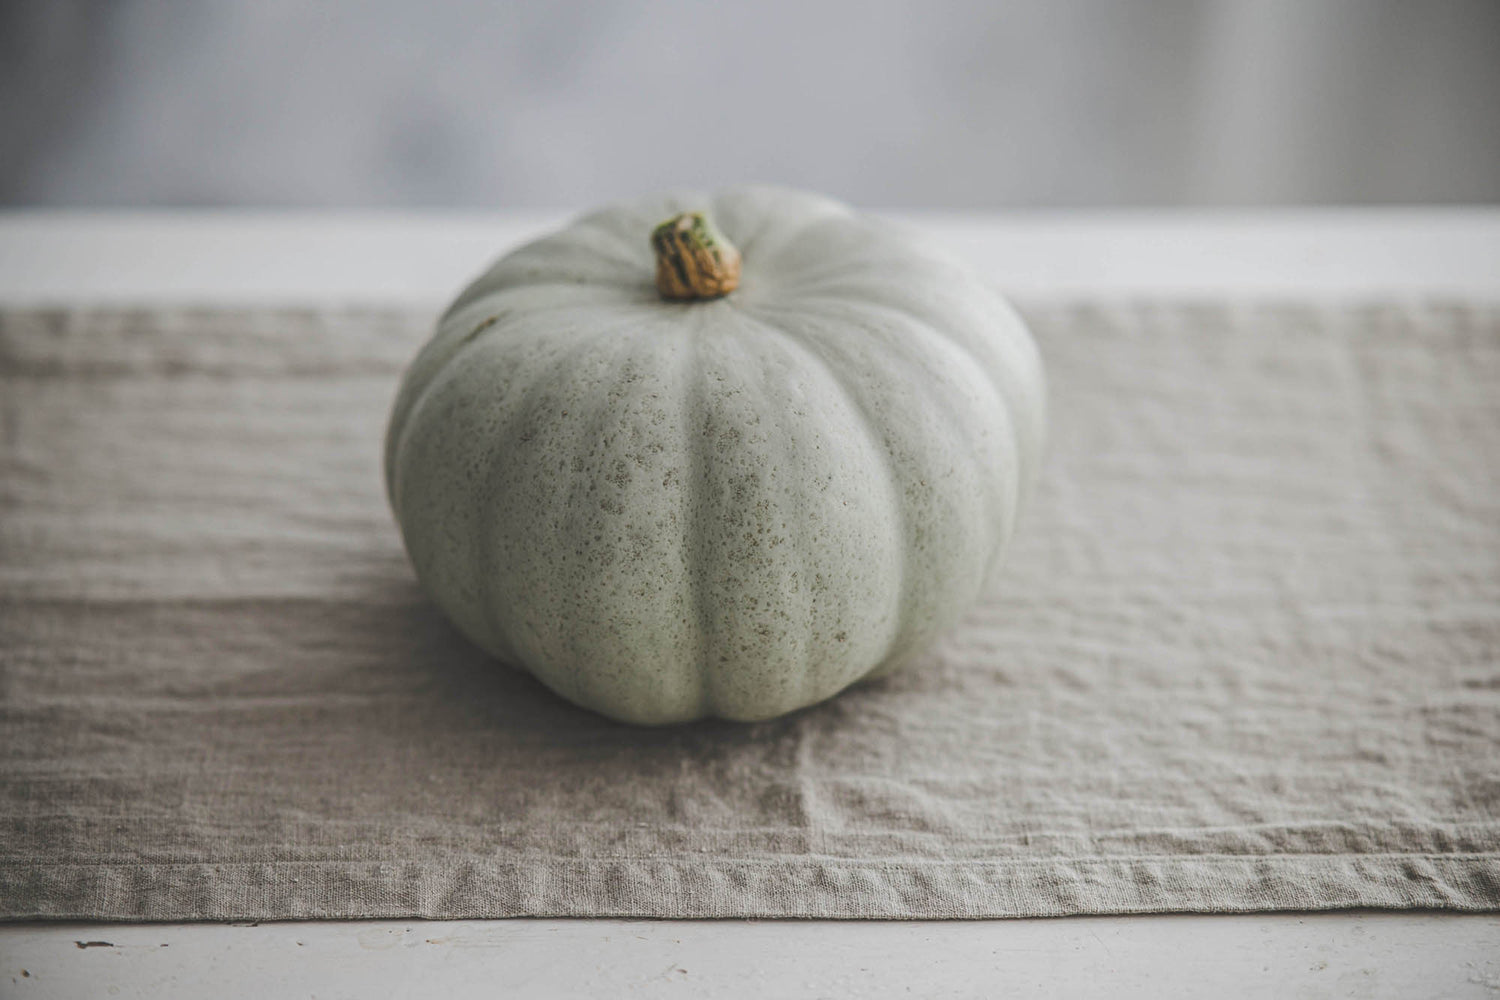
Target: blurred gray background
(938, 105)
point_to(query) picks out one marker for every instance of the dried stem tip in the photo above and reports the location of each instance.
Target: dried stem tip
(693, 259)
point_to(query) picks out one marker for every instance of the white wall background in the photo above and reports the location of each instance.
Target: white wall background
(931, 104)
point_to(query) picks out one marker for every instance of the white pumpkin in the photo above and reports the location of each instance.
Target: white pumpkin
(733, 506)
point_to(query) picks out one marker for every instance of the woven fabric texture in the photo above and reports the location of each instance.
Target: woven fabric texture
(1246, 654)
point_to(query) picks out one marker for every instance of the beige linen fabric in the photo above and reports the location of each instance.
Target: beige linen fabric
(1246, 655)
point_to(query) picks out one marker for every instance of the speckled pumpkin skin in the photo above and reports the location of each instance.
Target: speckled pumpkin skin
(733, 508)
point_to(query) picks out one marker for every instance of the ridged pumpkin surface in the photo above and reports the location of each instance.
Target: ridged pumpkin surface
(736, 507)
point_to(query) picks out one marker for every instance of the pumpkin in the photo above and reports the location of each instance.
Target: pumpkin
(674, 479)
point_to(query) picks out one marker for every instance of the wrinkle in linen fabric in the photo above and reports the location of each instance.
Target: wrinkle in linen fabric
(1245, 655)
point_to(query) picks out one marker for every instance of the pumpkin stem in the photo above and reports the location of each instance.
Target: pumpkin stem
(693, 259)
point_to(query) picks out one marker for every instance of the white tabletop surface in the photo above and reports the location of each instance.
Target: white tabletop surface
(301, 258)
(305, 257)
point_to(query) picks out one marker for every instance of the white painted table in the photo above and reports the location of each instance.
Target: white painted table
(227, 258)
